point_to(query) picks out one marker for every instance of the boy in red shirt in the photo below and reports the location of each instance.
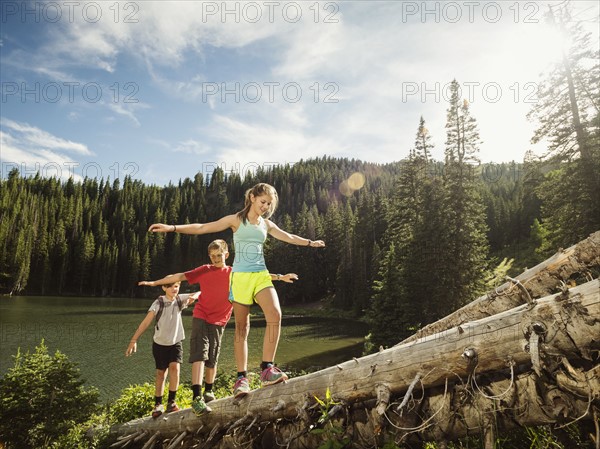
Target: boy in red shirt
(211, 314)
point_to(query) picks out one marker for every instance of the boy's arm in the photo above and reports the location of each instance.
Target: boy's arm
(290, 277)
(191, 298)
(132, 347)
(178, 277)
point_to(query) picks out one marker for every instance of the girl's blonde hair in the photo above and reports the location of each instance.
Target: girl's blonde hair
(259, 189)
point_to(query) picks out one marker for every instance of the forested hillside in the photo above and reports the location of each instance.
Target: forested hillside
(392, 231)
(91, 238)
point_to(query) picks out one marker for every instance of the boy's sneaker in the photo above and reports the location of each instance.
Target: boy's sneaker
(272, 375)
(241, 388)
(209, 396)
(172, 407)
(200, 407)
(159, 409)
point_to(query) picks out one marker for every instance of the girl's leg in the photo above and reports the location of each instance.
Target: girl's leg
(160, 382)
(268, 301)
(240, 343)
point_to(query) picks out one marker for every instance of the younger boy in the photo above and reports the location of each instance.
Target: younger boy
(167, 348)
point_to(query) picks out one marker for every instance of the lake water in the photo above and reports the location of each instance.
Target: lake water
(94, 333)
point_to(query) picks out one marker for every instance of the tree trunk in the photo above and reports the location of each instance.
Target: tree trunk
(534, 364)
(579, 260)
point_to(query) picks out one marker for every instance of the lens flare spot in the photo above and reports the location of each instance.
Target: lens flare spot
(345, 189)
(356, 181)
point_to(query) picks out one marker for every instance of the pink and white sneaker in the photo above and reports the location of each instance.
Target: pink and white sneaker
(272, 375)
(241, 388)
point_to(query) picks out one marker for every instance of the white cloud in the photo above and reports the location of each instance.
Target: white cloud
(250, 144)
(192, 146)
(127, 110)
(30, 161)
(33, 137)
(163, 32)
(31, 149)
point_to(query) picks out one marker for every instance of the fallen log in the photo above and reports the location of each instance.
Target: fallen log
(581, 259)
(531, 340)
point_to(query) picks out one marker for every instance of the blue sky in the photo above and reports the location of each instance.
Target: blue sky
(163, 90)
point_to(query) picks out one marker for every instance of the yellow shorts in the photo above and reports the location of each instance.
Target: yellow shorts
(244, 286)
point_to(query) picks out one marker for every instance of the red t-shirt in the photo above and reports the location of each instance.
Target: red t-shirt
(213, 304)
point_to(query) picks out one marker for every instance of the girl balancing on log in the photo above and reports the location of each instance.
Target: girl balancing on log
(250, 280)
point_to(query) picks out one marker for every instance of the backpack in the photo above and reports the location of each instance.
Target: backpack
(161, 306)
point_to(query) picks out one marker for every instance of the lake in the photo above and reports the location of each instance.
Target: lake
(94, 333)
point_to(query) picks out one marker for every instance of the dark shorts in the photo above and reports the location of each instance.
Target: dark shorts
(165, 355)
(205, 342)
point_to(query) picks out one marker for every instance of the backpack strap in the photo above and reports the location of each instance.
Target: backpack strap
(161, 306)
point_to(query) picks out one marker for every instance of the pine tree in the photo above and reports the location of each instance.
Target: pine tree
(390, 316)
(567, 112)
(37, 383)
(405, 260)
(464, 246)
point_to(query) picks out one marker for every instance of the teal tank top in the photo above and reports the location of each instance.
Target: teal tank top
(248, 242)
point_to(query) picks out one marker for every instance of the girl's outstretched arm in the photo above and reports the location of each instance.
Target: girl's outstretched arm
(284, 236)
(290, 277)
(229, 221)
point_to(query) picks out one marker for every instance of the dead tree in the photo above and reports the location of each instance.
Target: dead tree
(536, 363)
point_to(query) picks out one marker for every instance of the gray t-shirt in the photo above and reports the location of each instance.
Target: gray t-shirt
(170, 325)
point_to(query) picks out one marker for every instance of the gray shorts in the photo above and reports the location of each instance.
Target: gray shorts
(205, 342)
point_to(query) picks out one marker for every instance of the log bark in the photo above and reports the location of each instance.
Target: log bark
(558, 328)
(580, 260)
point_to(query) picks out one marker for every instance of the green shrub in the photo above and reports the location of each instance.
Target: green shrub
(79, 437)
(137, 401)
(41, 398)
